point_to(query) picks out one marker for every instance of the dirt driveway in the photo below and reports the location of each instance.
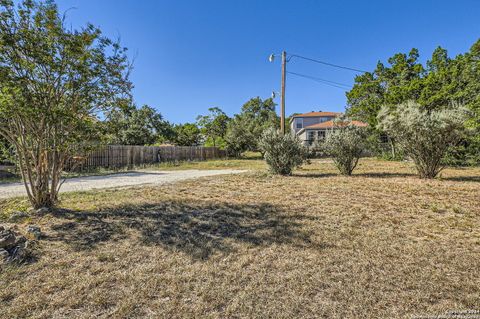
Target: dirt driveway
(118, 180)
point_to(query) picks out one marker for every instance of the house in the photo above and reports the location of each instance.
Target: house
(313, 126)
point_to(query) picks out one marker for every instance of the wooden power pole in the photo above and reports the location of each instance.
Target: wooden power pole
(282, 93)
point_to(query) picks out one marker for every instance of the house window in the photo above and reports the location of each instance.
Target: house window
(299, 123)
(321, 135)
(311, 136)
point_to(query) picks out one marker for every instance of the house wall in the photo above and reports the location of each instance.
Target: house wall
(305, 135)
(307, 121)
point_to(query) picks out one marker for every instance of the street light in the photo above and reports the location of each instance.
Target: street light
(271, 58)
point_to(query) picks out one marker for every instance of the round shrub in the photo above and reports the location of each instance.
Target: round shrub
(282, 152)
(345, 145)
(424, 135)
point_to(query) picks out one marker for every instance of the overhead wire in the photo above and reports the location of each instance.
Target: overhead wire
(327, 63)
(322, 81)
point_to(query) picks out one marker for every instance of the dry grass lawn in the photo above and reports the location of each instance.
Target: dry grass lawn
(380, 244)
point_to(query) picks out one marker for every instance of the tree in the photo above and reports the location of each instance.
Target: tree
(283, 152)
(245, 129)
(137, 126)
(386, 85)
(424, 135)
(214, 125)
(345, 145)
(187, 134)
(466, 69)
(444, 80)
(6, 151)
(55, 84)
(238, 138)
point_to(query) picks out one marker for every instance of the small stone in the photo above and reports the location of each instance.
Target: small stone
(7, 239)
(17, 216)
(42, 211)
(34, 232)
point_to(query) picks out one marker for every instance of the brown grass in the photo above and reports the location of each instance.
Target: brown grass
(379, 244)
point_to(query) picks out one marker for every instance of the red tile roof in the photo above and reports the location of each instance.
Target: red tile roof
(331, 124)
(315, 114)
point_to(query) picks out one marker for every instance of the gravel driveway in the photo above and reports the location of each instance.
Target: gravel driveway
(118, 180)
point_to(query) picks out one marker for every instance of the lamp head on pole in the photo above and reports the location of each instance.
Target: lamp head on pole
(271, 58)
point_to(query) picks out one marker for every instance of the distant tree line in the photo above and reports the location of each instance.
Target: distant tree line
(146, 126)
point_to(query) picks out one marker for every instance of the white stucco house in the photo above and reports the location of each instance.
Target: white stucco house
(313, 126)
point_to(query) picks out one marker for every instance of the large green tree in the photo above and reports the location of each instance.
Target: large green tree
(246, 128)
(443, 81)
(137, 126)
(466, 69)
(187, 134)
(214, 126)
(386, 85)
(56, 83)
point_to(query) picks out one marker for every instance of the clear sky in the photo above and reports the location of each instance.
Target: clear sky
(192, 55)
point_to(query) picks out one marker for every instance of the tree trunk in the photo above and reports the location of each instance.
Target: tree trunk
(393, 148)
(41, 173)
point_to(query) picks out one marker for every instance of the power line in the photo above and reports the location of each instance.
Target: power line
(322, 81)
(327, 63)
(319, 79)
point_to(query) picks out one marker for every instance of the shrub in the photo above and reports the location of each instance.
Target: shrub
(237, 138)
(246, 128)
(282, 152)
(345, 145)
(424, 135)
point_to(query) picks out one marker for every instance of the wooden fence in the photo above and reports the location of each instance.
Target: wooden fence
(120, 156)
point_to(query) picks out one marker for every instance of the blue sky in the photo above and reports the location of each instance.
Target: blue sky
(192, 55)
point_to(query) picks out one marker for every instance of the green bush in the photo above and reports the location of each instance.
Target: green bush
(426, 136)
(346, 144)
(246, 128)
(282, 152)
(237, 139)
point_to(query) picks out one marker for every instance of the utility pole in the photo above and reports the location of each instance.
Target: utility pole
(282, 93)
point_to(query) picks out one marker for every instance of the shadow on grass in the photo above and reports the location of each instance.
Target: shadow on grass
(462, 178)
(315, 175)
(400, 175)
(198, 229)
(384, 175)
(389, 175)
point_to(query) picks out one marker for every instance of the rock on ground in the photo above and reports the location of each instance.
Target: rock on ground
(17, 216)
(14, 246)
